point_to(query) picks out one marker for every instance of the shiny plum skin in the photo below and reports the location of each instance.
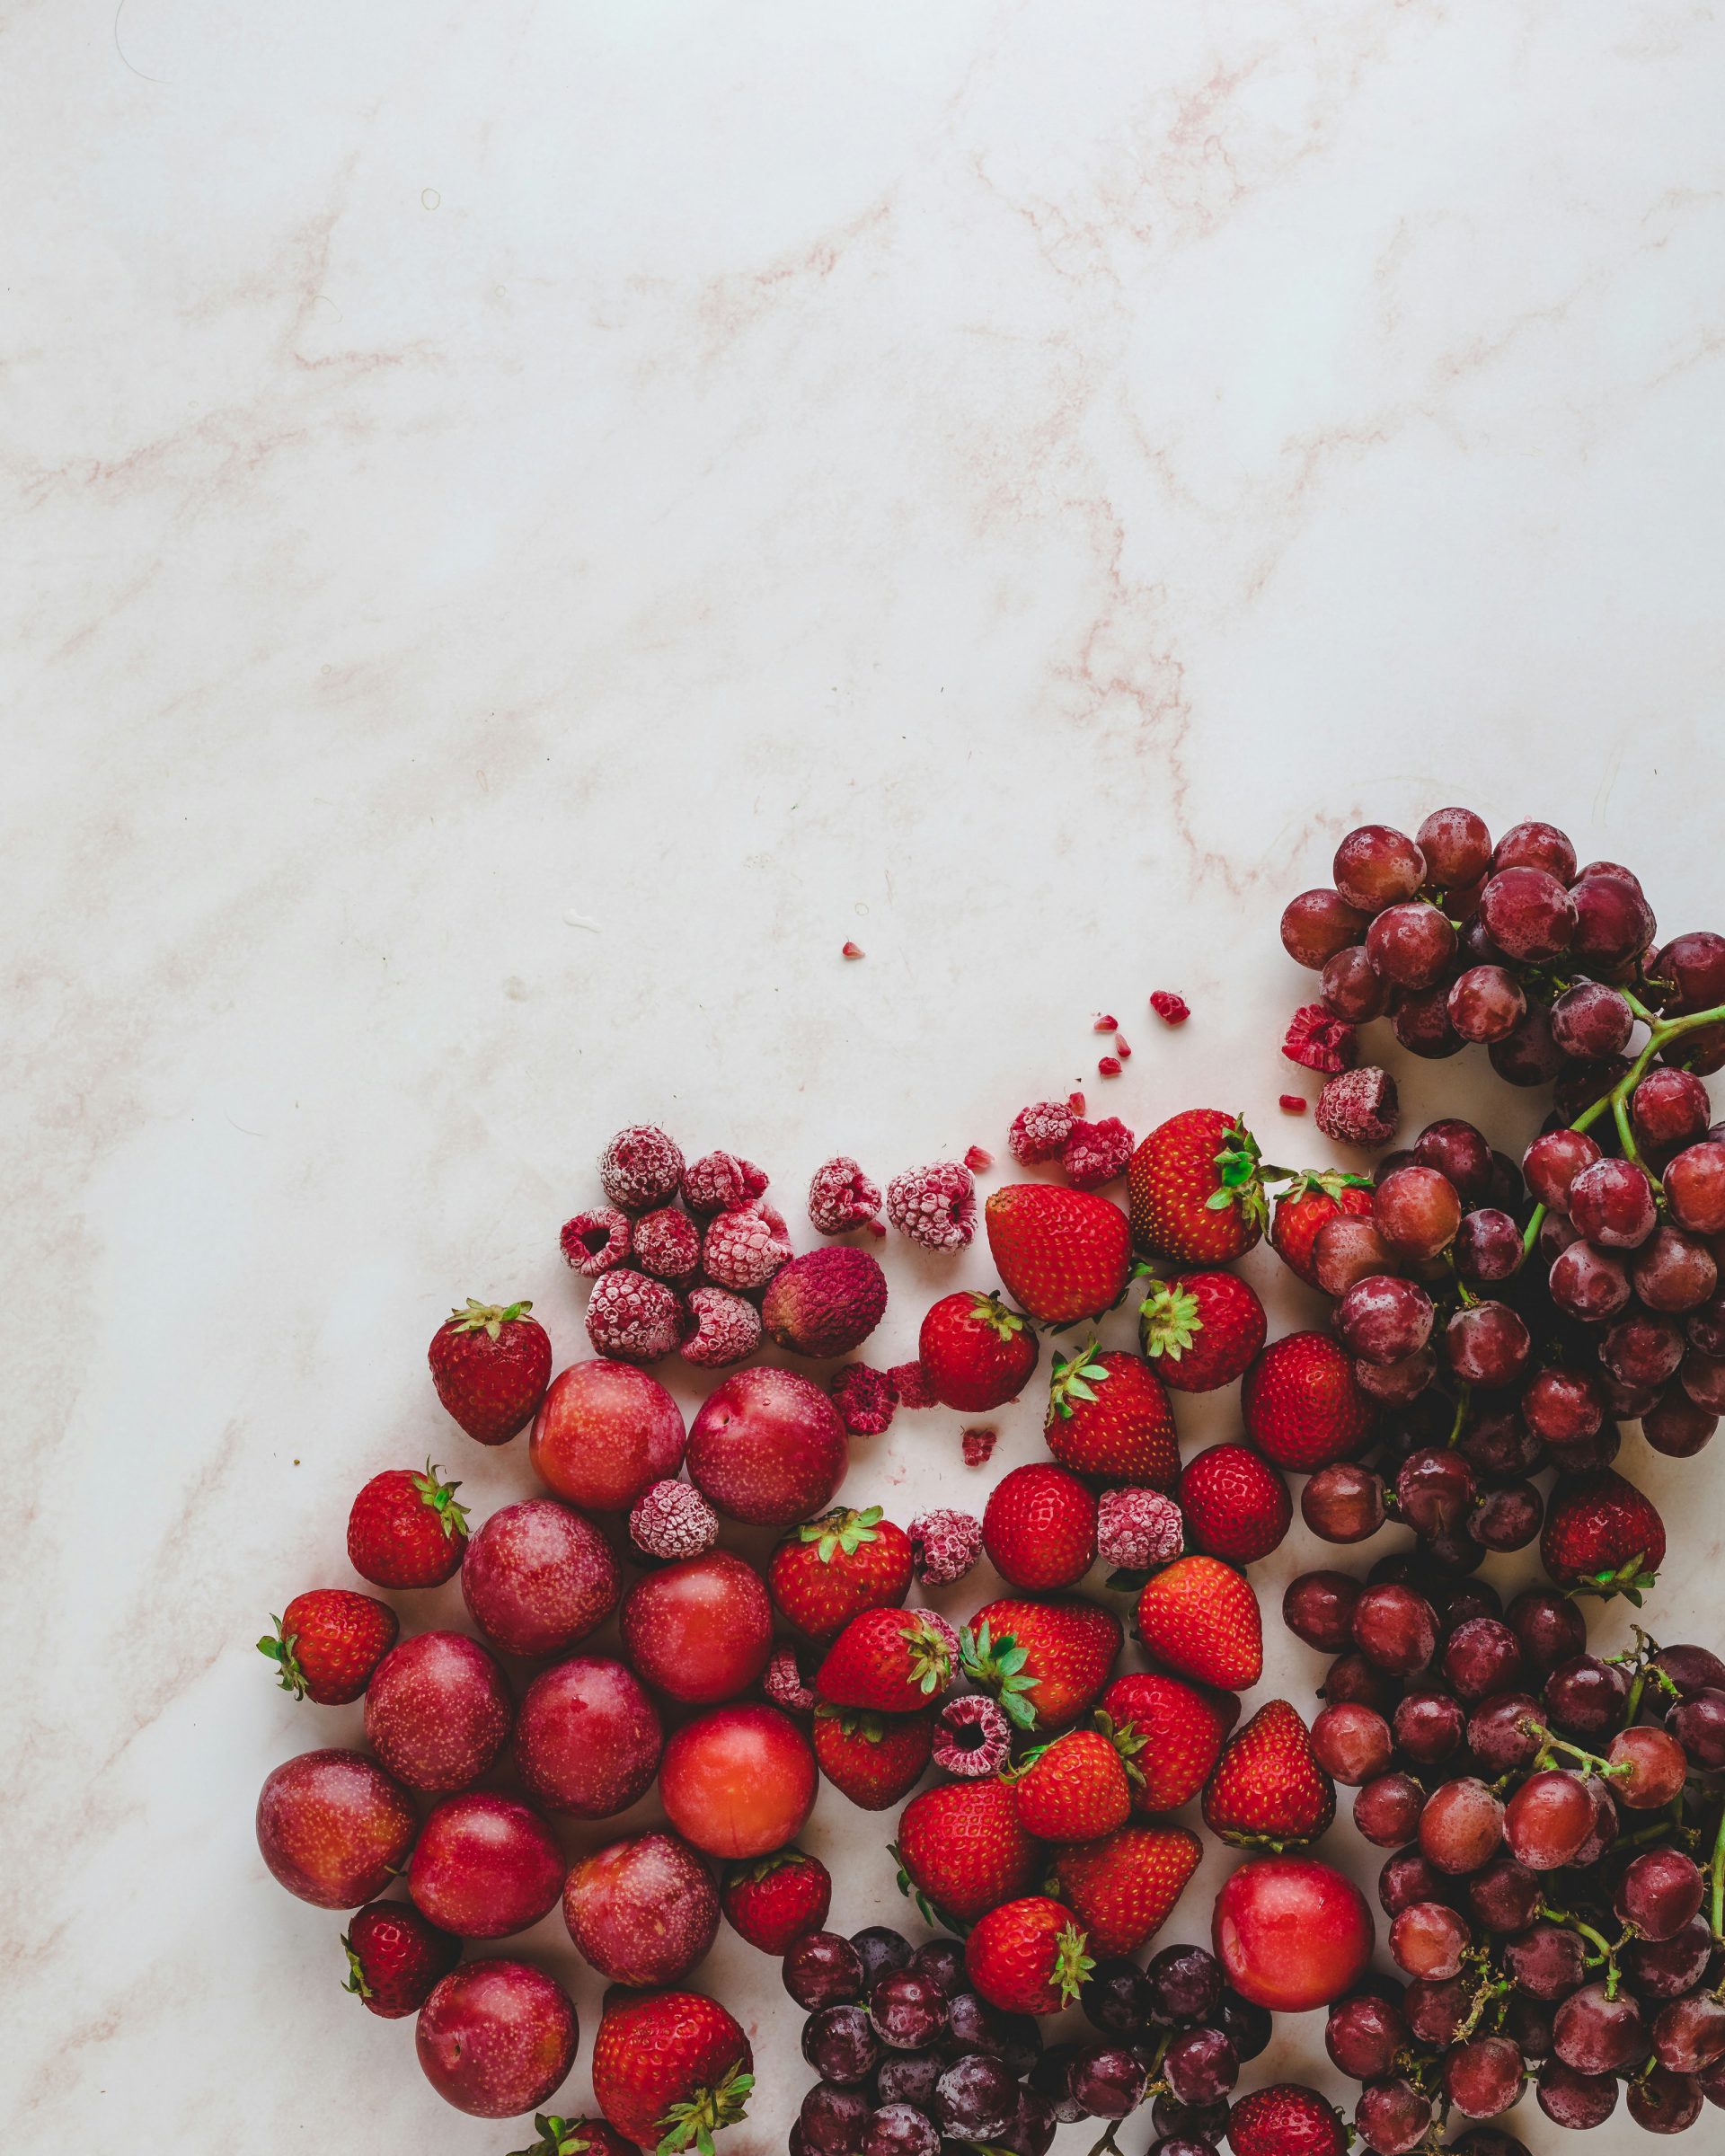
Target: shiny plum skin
(605, 1432)
(701, 1630)
(767, 1447)
(587, 1737)
(642, 1911)
(497, 2038)
(1292, 1933)
(438, 1711)
(334, 1827)
(737, 1781)
(485, 1866)
(538, 1577)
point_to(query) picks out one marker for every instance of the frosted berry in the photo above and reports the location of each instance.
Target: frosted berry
(593, 1242)
(783, 1682)
(1039, 1132)
(726, 1329)
(978, 1442)
(825, 1302)
(1318, 1042)
(841, 1196)
(673, 1520)
(1096, 1152)
(944, 1545)
(972, 1736)
(744, 1247)
(865, 1399)
(934, 1205)
(911, 1387)
(1170, 1008)
(1359, 1108)
(641, 1168)
(1137, 1528)
(667, 1244)
(633, 1318)
(718, 1181)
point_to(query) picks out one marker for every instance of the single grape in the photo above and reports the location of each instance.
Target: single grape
(834, 2119)
(908, 2077)
(840, 2044)
(1429, 1726)
(1456, 845)
(1528, 1057)
(1481, 1656)
(1673, 1272)
(1363, 2034)
(1436, 2008)
(1504, 1734)
(1559, 1406)
(1585, 1697)
(1605, 1827)
(1582, 1455)
(1247, 2025)
(1429, 1939)
(1497, 1441)
(1351, 1677)
(1382, 1319)
(1536, 845)
(1550, 1627)
(1050, 2079)
(1705, 1327)
(1642, 1348)
(1487, 1344)
(1031, 2134)
(1613, 923)
(1199, 2066)
(1387, 1811)
(1417, 1210)
(1591, 1022)
(1612, 1204)
(1406, 1877)
(1485, 1003)
(976, 2098)
(910, 2011)
(1660, 1891)
(1581, 1086)
(942, 1961)
(1483, 2077)
(1689, 2033)
(1657, 1768)
(1694, 1187)
(1553, 1161)
(1596, 2033)
(1588, 1284)
(1397, 1385)
(1527, 913)
(1488, 1245)
(1573, 2099)
(1411, 944)
(1670, 1108)
(822, 1969)
(1116, 1997)
(1505, 1895)
(1687, 1669)
(1109, 2079)
(1675, 1426)
(1352, 1743)
(1461, 1825)
(1665, 1968)
(976, 2025)
(1548, 1820)
(1348, 1248)
(1436, 1489)
(1396, 1629)
(1459, 1151)
(1352, 988)
(1391, 2116)
(1661, 2102)
(1185, 1985)
(1201, 2122)
(1317, 924)
(1547, 1961)
(1318, 1607)
(1376, 866)
(882, 1949)
(900, 2130)
(1509, 1517)
(1703, 1379)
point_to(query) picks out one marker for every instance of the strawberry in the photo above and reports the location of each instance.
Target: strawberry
(1602, 1536)
(1236, 1504)
(1038, 1527)
(1179, 1731)
(395, 1957)
(1267, 1790)
(1302, 1405)
(977, 1354)
(1108, 1416)
(1028, 1957)
(1075, 1789)
(962, 1851)
(894, 1661)
(1123, 1886)
(670, 2069)
(1061, 1253)
(872, 1759)
(491, 1364)
(1201, 1330)
(1199, 1617)
(1288, 2120)
(1194, 1190)
(777, 1898)
(577, 2137)
(406, 1530)
(829, 1571)
(1304, 1204)
(1046, 1661)
(327, 1643)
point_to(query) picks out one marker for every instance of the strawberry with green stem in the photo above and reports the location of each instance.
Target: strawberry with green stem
(1196, 1186)
(828, 1571)
(327, 1643)
(1201, 1329)
(893, 1661)
(490, 1363)
(1306, 1205)
(873, 1759)
(406, 1530)
(1045, 1662)
(1110, 1416)
(671, 2070)
(1028, 1957)
(975, 1354)
(577, 2137)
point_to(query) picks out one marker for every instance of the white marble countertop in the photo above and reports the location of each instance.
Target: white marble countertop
(532, 524)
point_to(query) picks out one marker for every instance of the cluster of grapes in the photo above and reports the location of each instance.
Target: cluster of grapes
(1555, 1834)
(910, 2057)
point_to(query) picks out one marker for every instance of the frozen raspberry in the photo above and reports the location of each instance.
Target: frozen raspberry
(910, 1386)
(1096, 1152)
(1107, 1066)
(1136, 1528)
(783, 1683)
(719, 1180)
(726, 1329)
(1291, 1104)
(865, 1398)
(593, 1242)
(980, 1442)
(1359, 1108)
(673, 1520)
(631, 1317)
(841, 1196)
(1170, 1008)
(944, 1546)
(934, 1205)
(827, 1302)
(1318, 1041)
(667, 1244)
(979, 1161)
(744, 1247)
(1038, 1132)
(972, 1736)
(641, 1168)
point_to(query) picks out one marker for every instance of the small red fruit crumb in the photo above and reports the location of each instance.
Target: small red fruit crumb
(910, 1385)
(1075, 1102)
(1292, 1104)
(1104, 1021)
(1107, 1066)
(976, 1161)
(1318, 1041)
(1122, 1047)
(852, 951)
(1170, 1008)
(864, 1398)
(978, 1442)
(1038, 1132)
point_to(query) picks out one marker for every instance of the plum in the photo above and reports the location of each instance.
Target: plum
(604, 1433)
(588, 1738)
(701, 1630)
(497, 2038)
(737, 1781)
(485, 1866)
(767, 1447)
(334, 1827)
(642, 1911)
(538, 1577)
(437, 1711)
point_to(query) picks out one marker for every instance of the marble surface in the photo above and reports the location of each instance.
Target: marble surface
(530, 524)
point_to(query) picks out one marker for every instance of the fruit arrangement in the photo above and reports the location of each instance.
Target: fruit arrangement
(684, 1606)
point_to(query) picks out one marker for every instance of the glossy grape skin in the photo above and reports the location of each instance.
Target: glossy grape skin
(1642, 1349)
(1436, 1489)
(1573, 2099)
(1528, 1056)
(1417, 1210)
(1116, 1997)
(1384, 1319)
(1031, 2133)
(1665, 1968)
(1318, 1607)
(1527, 913)
(834, 2119)
(1548, 1820)
(1662, 2102)
(1550, 1627)
(1488, 1246)
(1504, 1896)
(1562, 1405)
(1457, 846)
(1483, 2077)
(1199, 2066)
(1363, 2034)
(1591, 1022)
(1694, 1187)
(1109, 2079)
(1536, 845)
(1488, 1344)
(1349, 1248)
(1548, 1961)
(1703, 1379)
(882, 1949)
(1552, 1162)
(1050, 2079)
(1429, 1939)
(1670, 1108)
(1585, 1696)
(1497, 1441)
(1317, 924)
(908, 2077)
(1343, 1503)
(1378, 866)
(1660, 1893)
(1504, 1733)
(1393, 2116)
(1352, 1743)
(1387, 1811)
(1396, 1629)
(1350, 1676)
(1689, 2033)
(1509, 1519)
(1673, 1272)
(976, 2025)
(1352, 987)
(1485, 1003)
(1461, 1825)
(1595, 2033)
(977, 2098)
(1406, 1877)
(1612, 1204)
(840, 2044)
(1481, 1656)
(1589, 1284)
(1690, 1669)
(822, 1969)
(1429, 1726)
(909, 2011)
(1185, 1985)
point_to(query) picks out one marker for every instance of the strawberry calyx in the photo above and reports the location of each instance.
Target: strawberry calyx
(988, 1308)
(853, 1721)
(693, 2121)
(559, 2136)
(1628, 1579)
(355, 1980)
(1169, 1323)
(1075, 1377)
(1305, 1182)
(912, 1891)
(1072, 1965)
(280, 1651)
(998, 1666)
(441, 1497)
(931, 1656)
(840, 1530)
(488, 1318)
(1126, 1741)
(762, 1867)
(1237, 1163)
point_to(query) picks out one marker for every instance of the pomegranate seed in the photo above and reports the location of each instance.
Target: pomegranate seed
(852, 951)
(1170, 1008)
(1107, 1066)
(1075, 1102)
(1104, 1021)
(976, 1159)
(1122, 1047)
(1292, 1104)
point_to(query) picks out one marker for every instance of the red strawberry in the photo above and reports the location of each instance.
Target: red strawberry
(777, 1898)
(1123, 1887)
(1201, 1330)
(406, 1530)
(1038, 1527)
(894, 1661)
(1302, 1208)
(1236, 1504)
(1061, 1253)
(670, 2069)
(1074, 1789)
(1194, 1190)
(491, 1364)
(1199, 1617)
(1046, 1661)
(1301, 1404)
(1181, 1731)
(873, 1759)
(962, 1852)
(1108, 1416)
(829, 1571)
(1287, 2120)
(1028, 1957)
(577, 2137)
(1602, 1536)
(327, 1643)
(977, 1353)
(1267, 1790)
(395, 1957)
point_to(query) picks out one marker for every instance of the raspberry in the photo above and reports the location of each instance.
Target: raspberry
(1096, 1152)
(825, 1302)
(1291, 1104)
(726, 1329)
(667, 1244)
(979, 1161)
(1170, 1008)
(972, 1738)
(719, 1180)
(1318, 1041)
(980, 1442)
(910, 1386)
(1360, 1108)
(944, 1546)
(635, 1319)
(1137, 1528)
(864, 1398)
(1038, 1132)
(641, 1168)
(1107, 1066)
(934, 1205)
(673, 1520)
(593, 1242)
(783, 1683)
(744, 1247)
(841, 1196)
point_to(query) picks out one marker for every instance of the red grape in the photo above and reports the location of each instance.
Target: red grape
(1527, 913)
(1352, 1742)
(1481, 1656)
(1612, 1204)
(1461, 1825)
(1483, 2078)
(1548, 1820)
(1568, 2098)
(1429, 1939)
(1363, 2034)
(1536, 845)
(1588, 1284)
(1456, 845)
(1352, 988)
(1396, 1629)
(1428, 1726)
(1387, 1811)
(1487, 1344)
(1553, 1161)
(1417, 1211)
(1596, 2033)
(1694, 1187)
(1504, 1733)
(1384, 1319)
(1658, 1894)
(1673, 1272)
(1318, 1607)
(1485, 1003)
(1317, 924)
(1376, 866)
(1670, 1108)
(1342, 1503)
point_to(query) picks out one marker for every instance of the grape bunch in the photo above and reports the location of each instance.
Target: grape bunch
(1557, 1881)
(910, 2057)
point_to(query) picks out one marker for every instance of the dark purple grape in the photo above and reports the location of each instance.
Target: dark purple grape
(1396, 1629)
(1568, 2098)
(1117, 1997)
(1397, 1385)
(909, 2012)
(1435, 2011)
(1352, 1677)
(1199, 2065)
(1457, 1150)
(1050, 2079)
(1509, 1517)
(1504, 1734)
(942, 1961)
(1547, 1961)
(1429, 1726)
(1585, 1697)
(1031, 2134)
(1393, 2116)
(1185, 1985)
(908, 2077)
(1642, 1349)
(1436, 1489)
(834, 2119)
(1363, 2034)
(1675, 1426)
(840, 2044)
(1406, 1879)
(1247, 2025)
(1550, 1627)
(1481, 1656)
(1318, 1607)
(1698, 1724)
(1387, 1811)
(1665, 2103)
(977, 2098)
(975, 2026)
(1527, 2021)
(1198, 2122)
(882, 1950)
(822, 1969)
(900, 2130)
(1686, 1670)
(1583, 1455)
(1496, 1441)
(1705, 1327)
(1343, 1503)
(1384, 1320)
(1488, 1246)
(1689, 2033)
(1703, 1378)
(1109, 2079)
